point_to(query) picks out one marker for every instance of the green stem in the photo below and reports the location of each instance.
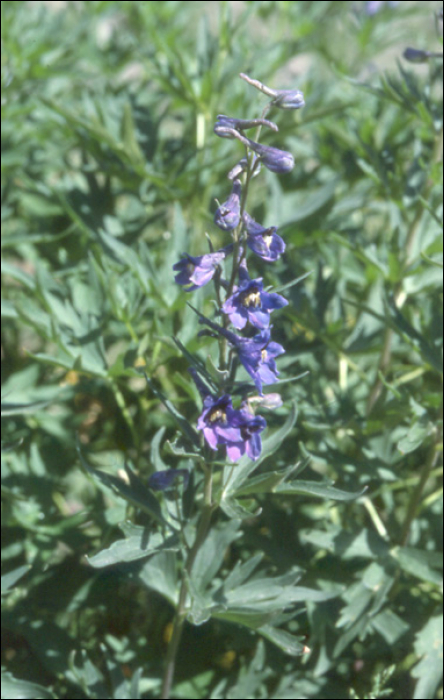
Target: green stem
(181, 612)
(120, 400)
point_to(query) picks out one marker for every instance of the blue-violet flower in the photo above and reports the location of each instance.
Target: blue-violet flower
(195, 272)
(251, 427)
(250, 303)
(238, 430)
(257, 356)
(227, 215)
(264, 242)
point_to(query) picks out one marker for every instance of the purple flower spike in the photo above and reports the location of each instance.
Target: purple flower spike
(264, 242)
(164, 480)
(195, 272)
(227, 216)
(250, 303)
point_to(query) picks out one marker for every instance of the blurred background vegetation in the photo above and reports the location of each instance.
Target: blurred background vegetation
(109, 172)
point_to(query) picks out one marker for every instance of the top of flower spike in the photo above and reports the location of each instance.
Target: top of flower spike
(284, 99)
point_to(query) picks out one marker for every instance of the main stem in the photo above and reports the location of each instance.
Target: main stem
(181, 612)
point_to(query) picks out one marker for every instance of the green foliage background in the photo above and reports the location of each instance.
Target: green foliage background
(109, 173)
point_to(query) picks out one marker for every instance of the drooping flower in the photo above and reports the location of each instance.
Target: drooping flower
(227, 215)
(264, 242)
(195, 272)
(249, 303)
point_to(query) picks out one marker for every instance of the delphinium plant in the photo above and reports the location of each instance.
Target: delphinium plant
(227, 445)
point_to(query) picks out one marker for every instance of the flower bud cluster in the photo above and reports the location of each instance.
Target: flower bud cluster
(243, 302)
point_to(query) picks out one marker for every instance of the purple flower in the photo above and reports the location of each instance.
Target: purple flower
(250, 303)
(218, 422)
(264, 242)
(227, 215)
(251, 427)
(164, 480)
(257, 356)
(195, 272)
(238, 430)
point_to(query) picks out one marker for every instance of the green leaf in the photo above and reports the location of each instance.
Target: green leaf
(183, 424)
(134, 492)
(317, 489)
(10, 579)
(17, 689)
(211, 554)
(429, 645)
(289, 644)
(390, 626)
(160, 574)
(135, 546)
(419, 563)
(268, 482)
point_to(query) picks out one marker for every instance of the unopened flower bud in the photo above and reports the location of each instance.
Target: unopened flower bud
(273, 158)
(419, 56)
(224, 125)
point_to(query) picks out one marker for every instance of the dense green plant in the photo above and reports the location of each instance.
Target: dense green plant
(109, 173)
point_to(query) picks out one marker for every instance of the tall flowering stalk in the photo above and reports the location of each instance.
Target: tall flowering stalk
(242, 326)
